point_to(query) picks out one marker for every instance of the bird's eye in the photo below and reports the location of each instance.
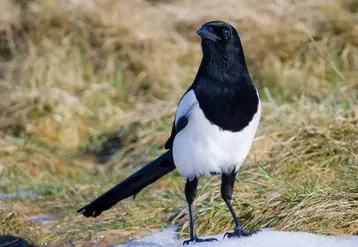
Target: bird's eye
(225, 33)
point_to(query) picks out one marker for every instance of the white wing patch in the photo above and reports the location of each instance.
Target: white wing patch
(202, 147)
(186, 105)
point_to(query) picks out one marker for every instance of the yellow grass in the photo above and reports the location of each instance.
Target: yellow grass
(71, 71)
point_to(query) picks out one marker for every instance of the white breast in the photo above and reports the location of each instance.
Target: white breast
(202, 148)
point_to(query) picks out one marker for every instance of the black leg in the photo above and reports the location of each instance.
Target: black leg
(227, 186)
(190, 194)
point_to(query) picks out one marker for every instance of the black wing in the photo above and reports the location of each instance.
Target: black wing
(169, 143)
(182, 122)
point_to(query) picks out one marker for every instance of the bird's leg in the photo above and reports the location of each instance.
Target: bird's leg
(190, 194)
(227, 186)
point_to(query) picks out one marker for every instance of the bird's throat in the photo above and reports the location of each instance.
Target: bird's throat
(225, 67)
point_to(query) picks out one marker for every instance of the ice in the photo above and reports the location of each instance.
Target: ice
(42, 218)
(264, 238)
(19, 194)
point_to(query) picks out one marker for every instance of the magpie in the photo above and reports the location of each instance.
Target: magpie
(213, 130)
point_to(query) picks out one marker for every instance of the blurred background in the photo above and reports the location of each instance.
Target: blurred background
(88, 90)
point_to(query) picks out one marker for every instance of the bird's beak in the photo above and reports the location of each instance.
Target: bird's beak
(206, 33)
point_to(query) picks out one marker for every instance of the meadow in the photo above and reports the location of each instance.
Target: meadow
(88, 91)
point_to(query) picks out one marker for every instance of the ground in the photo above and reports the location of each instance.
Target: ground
(77, 74)
(264, 238)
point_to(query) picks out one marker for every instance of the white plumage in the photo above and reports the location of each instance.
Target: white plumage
(202, 148)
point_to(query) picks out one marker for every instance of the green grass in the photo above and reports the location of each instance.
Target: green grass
(72, 73)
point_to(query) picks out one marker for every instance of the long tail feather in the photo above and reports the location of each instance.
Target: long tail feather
(131, 185)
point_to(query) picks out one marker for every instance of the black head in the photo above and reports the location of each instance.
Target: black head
(219, 35)
(223, 56)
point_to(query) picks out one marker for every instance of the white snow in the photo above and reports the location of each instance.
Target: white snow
(20, 194)
(265, 238)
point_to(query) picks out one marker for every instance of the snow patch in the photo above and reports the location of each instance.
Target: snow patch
(19, 194)
(264, 238)
(42, 218)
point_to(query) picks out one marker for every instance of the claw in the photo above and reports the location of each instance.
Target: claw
(198, 240)
(238, 233)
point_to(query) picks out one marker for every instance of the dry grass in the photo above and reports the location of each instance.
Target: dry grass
(304, 181)
(71, 71)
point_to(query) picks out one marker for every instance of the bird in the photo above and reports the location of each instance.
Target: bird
(214, 127)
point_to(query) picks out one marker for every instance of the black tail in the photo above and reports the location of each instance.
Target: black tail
(131, 185)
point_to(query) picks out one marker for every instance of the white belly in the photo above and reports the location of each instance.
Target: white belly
(202, 148)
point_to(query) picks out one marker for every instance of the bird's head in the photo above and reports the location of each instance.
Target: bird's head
(222, 51)
(219, 35)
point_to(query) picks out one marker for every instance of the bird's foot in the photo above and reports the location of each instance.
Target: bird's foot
(238, 233)
(198, 240)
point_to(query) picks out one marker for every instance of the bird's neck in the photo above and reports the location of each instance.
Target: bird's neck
(226, 67)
